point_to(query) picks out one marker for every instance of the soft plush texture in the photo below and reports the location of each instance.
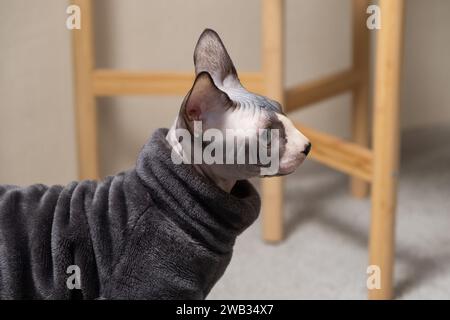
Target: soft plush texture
(157, 231)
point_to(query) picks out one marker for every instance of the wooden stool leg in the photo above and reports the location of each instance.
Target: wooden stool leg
(386, 144)
(360, 111)
(85, 112)
(272, 209)
(273, 66)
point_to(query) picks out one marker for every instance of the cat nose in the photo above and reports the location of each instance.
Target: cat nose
(307, 149)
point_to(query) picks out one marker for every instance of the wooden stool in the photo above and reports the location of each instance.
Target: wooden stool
(378, 166)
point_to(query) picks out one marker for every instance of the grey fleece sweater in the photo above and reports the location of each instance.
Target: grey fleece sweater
(157, 231)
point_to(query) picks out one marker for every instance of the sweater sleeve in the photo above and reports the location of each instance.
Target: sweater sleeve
(45, 230)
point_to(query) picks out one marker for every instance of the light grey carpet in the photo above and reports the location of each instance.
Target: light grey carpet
(325, 254)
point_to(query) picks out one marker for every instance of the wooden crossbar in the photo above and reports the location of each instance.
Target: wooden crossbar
(122, 83)
(305, 94)
(340, 154)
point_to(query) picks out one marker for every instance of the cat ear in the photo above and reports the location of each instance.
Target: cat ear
(211, 56)
(204, 97)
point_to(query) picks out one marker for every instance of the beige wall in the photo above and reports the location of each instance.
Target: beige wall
(36, 97)
(36, 113)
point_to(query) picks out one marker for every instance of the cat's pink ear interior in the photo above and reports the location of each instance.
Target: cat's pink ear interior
(204, 97)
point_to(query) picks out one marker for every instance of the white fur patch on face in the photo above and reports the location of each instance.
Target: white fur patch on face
(295, 147)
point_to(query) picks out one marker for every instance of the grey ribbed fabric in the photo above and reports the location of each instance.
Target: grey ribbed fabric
(157, 231)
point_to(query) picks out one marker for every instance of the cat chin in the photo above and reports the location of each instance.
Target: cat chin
(292, 165)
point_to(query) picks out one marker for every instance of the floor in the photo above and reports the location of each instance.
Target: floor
(324, 255)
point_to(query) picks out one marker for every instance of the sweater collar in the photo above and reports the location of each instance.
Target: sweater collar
(191, 196)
